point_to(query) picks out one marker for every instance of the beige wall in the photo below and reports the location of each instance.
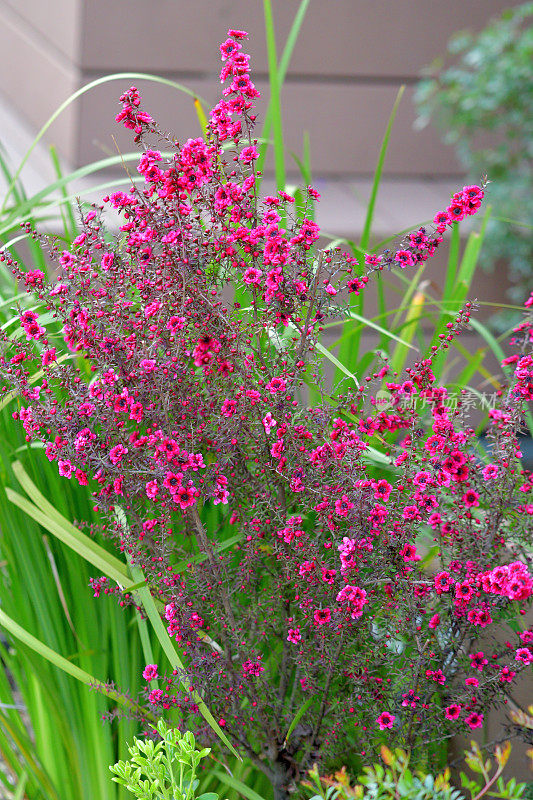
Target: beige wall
(350, 59)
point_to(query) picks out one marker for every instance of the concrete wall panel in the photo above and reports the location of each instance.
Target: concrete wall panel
(37, 82)
(372, 38)
(54, 22)
(345, 124)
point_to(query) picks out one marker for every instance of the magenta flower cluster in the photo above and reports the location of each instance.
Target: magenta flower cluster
(287, 558)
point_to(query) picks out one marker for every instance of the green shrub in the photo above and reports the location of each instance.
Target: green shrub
(483, 105)
(163, 770)
(397, 781)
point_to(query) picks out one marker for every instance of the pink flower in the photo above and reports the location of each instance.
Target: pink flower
(249, 154)
(408, 553)
(66, 259)
(196, 462)
(175, 323)
(116, 453)
(276, 385)
(65, 468)
(107, 261)
(254, 668)
(385, 720)
(151, 309)
(81, 477)
(480, 616)
(152, 489)
(490, 472)
(150, 672)
(236, 34)
(437, 675)
(471, 498)
(343, 505)
(453, 711)
(186, 496)
(172, 481)
(355, 597)
(524, 655)
(277, 448)
(51, 451)
(434, 621)
(48, 356)
(456, 209)
(228, 408)
(404, 258)
(410, 699)
(294, 635)
(148, 365)
(322, 616)
(269, 422)
(252, 276)
(506, 675)
(229, 48)
(478, 660)
(474, 720)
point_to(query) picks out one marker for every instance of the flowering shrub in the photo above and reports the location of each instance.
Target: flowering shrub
(283, 542)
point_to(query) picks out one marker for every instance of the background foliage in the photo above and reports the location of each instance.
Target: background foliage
(483, 105)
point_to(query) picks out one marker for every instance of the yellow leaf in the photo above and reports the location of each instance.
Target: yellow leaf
(341, 777)
(521, 718)
(503, 753)
(387, 756)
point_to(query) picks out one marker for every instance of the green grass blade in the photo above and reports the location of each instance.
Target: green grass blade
(281, 73)
(21, 211)
(349, 350)
(491, 341)
(297, 717)
(275, 99)
(453, 261)
(335, 361)
(201, 557)
(458, 280)
(24, 745)
(34, 378)
(500, 355)
(412, 286)
(48, 516)
(239, 786)
(69, 221)
(20, 788)
(473, 364)
(369, 322)
(202, 118)
(367, 227)
(64, 664)
(410, 325)
(75, 539)
(470, 259)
